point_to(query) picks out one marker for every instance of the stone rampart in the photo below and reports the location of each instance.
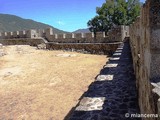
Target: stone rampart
(114, 35)
(22, 41)
(97, 43)
(145, 46)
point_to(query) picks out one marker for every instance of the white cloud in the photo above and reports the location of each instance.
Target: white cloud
(60, 23)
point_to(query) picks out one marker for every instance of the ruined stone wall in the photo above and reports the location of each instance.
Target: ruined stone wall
(145, 46)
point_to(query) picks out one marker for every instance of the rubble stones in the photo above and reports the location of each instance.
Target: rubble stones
(41, 46)
(66, 55)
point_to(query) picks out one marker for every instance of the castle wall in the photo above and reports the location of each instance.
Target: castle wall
(22, 41)
(115, 35)
(145, 46)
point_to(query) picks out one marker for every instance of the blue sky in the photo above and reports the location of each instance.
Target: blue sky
(68, 15)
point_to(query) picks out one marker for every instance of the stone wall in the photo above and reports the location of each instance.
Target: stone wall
(145, 46)
(115, 35)
(92, 48)
(80, 42)
(22, 41)
(20, 34)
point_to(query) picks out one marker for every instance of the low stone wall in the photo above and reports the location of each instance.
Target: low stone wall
(92, 48)
(145, 46)
(22, 41)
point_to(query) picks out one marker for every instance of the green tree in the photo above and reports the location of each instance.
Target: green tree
(114, 12)
(94, 24)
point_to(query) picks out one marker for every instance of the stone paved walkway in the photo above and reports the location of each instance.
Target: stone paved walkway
(113, 94)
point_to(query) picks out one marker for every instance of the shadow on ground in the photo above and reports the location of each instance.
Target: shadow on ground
(113, 94)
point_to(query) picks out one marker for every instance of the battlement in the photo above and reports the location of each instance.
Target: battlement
(116, 34)
(19, 34)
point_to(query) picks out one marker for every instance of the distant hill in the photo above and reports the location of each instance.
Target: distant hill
(82, 31)
(15, 23)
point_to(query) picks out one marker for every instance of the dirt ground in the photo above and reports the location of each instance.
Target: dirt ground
(43, 85)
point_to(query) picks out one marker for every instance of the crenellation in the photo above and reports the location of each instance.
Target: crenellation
(16, 34)
(4, 35)
(9, 35)
(56, 36)
(79, 38)
(89, 37)
(48, 33)
(83, 35)
(64, 36)
(99, 37)
(73, 35)
(22, 34)
(104, 34)
(31, 34)
(41, 33)
(78, 35)
(60, 36)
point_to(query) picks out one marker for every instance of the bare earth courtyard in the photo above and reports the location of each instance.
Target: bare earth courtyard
(44, 85)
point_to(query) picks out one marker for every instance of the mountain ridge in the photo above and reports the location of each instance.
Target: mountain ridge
(85, 30)
(10, 23)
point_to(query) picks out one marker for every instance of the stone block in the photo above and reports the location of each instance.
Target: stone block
(155, 39)
(99, 35)
(31, 34)
(41, 33)
(48, 32)
(16, 34)
(68, 35)
(155, 66)
(4, 35)
(89, 35)
(78, 35)
(22, 34)
(60, 36)
(9, 35)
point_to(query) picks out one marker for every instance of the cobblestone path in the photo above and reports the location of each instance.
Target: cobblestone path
(113, 94)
